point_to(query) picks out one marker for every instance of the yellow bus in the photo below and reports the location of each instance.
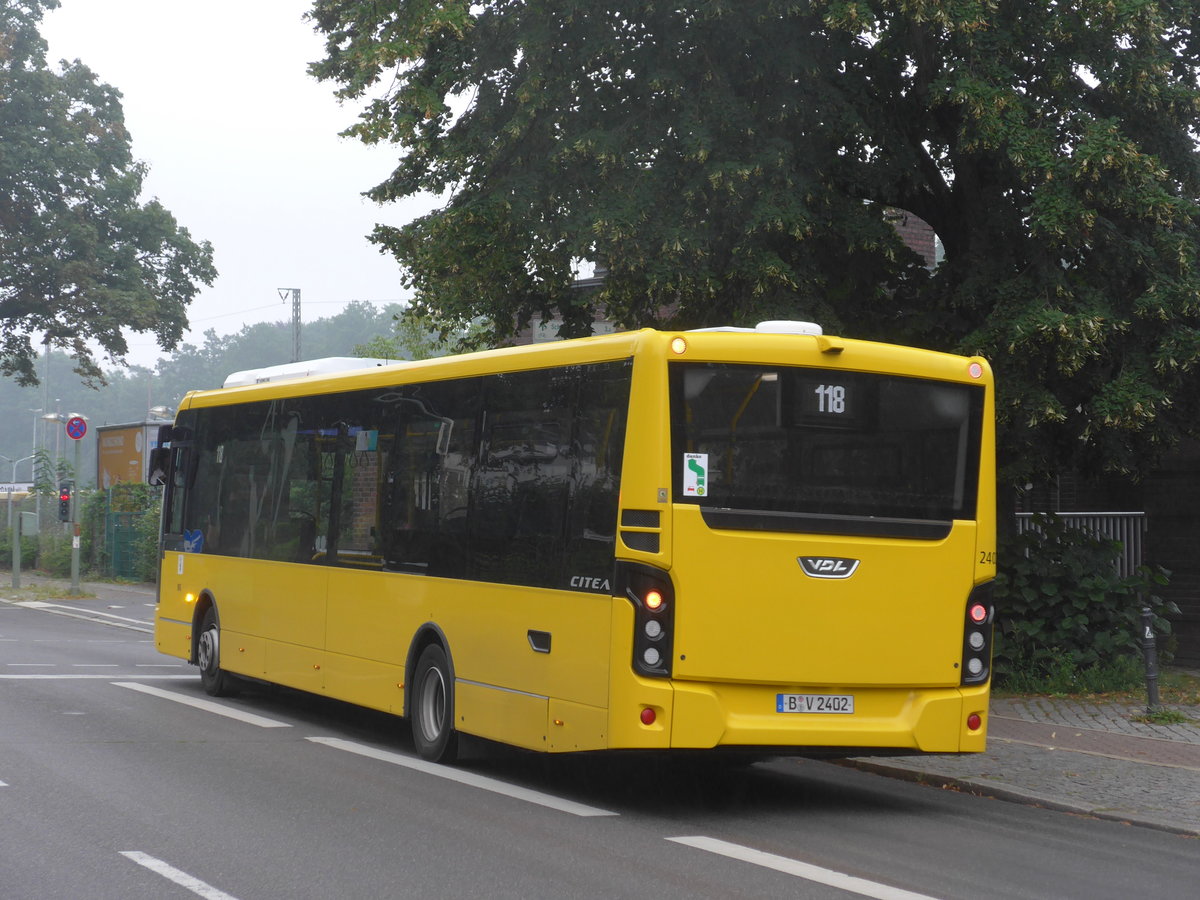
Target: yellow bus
(761, 538)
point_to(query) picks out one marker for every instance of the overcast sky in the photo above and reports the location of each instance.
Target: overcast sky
(243, 148)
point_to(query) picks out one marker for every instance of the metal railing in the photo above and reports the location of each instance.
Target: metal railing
(1129, 528)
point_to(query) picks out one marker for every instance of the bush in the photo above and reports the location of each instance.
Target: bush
(29, 550)
(145, 554)
(54, 554)
(1065, 619)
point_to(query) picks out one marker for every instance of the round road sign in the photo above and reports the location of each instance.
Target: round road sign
(76, 427)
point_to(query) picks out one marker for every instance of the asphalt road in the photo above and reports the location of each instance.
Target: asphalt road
(120, 779)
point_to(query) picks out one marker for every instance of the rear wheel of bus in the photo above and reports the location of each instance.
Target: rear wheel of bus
(432, 715)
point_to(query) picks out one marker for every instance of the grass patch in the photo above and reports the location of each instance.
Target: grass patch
(1162, 716)
(1063, 678)
(44, 592)
(1176, 687)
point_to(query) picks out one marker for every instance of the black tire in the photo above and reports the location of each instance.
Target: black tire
(432, 714)
(215, 680)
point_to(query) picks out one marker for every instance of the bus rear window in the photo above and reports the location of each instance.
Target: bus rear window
(832, 450)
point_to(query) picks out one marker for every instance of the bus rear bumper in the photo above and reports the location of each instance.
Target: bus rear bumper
(931, 720)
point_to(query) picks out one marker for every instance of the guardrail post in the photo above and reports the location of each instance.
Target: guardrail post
(1150, 653)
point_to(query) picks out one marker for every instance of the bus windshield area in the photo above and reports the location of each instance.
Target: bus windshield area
(824, 450)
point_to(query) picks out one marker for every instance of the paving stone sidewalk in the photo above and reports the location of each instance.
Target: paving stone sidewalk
(1087, 758)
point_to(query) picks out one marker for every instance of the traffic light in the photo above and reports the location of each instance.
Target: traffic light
(64, 501)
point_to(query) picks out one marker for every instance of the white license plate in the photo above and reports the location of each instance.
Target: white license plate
(815, 703)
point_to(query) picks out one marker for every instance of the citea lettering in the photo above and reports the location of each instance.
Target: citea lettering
(591, 583)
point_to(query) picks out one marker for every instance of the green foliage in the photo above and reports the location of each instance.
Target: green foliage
(1061, 675)
(145, 553)
(29, 550)
(1064, 615)
(1163, 716)
(81, 257)
(730, 162)
(416, 336)
(54, 552)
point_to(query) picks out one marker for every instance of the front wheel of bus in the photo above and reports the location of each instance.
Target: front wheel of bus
(433, 707)
(215, 680)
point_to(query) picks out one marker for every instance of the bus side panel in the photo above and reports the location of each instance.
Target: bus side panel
(371, 620)
(509, 716)
(372, 615)
(574, 726)
(494, 632)
(285, 603)
(289, 602)
(365, 682)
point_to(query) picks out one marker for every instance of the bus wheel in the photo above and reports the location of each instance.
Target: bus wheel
(433, 707)
(215, 680)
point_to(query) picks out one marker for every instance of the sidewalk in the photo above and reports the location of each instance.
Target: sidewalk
(1076, 756)
(1060, 753)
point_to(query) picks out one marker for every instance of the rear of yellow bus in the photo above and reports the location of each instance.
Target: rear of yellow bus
(805, 560)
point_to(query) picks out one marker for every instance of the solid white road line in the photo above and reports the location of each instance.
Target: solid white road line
(90, 615)
(183, 879)
(206, 705)
(809, 872)
(81, 677)
(468, 778)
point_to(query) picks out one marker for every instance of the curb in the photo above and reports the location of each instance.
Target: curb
(1008, 794)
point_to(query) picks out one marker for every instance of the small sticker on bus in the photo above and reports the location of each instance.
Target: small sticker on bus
(695, 474)
(193, 542)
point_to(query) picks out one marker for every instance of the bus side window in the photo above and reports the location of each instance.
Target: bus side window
(598, 448)
(522, 484)
(424, 490)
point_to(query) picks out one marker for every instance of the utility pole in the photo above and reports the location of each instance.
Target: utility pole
(283, 295)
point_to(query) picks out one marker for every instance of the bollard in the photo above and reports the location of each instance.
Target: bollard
(1150, 652)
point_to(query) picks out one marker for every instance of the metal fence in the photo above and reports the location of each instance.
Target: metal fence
(1129, 528)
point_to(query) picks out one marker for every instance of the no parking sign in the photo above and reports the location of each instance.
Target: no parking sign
(76, 428)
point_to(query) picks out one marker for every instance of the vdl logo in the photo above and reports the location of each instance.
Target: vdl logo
(827, 566)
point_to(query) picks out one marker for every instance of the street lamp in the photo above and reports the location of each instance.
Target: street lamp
(37, 498)
(60, 418)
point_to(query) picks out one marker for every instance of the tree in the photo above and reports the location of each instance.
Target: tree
(80, 256)
(734, 160)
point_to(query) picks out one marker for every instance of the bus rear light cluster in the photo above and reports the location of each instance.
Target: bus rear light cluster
(977, 636)
(653, 598)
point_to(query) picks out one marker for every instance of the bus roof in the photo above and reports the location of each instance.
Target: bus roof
(732, 343)
(325, 366)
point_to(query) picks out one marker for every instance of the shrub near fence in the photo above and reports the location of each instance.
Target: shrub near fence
(1064, 611)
